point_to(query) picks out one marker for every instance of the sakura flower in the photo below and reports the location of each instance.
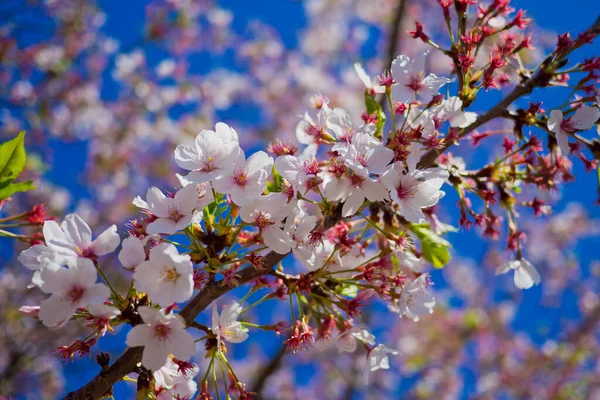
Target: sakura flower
(366, 80)
(298, 171)
(214, 154)
(298, 227)
(38, 256)
(415, 299)
(160, 335)
(166, 276)
(584, 118)
(204, 190)
(411, 80)
(347, 341)
(172, 213)
(173, 383)
(525, 273)
(365, 156)
(414, 189)
(378, 359)
(409, 260)
(248, 178)
(100, 317)
(311, 131)
(226, 327)
(73, 238)
(341, 126)
(70, 288)
(451, 110)
(422, 120)
(267, 213)
(132, 252)
(362, 188)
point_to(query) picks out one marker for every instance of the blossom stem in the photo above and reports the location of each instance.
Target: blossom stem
(208, 368)
(229, 366)
(103, 275)
(374, 225)
(265, 298)
(176, 243)
(392, 113)
(202, 338)
(292, 310)
(215, 380)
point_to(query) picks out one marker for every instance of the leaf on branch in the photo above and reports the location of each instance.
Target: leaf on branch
(435, 249)
(12, 163)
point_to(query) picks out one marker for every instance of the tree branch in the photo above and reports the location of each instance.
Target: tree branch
(128, 361)
(538, 79)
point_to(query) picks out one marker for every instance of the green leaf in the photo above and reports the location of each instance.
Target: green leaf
(349, 290)
(7, 189)
(374, 108)
(434, 248)
(12, 158)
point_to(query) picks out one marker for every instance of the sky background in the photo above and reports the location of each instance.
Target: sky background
(124, 22)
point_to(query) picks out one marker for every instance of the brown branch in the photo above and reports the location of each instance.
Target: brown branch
(540, 78)
(128, 361)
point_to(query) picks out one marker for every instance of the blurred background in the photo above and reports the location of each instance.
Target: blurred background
(105, 90)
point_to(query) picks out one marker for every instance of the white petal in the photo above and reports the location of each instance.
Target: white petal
(182, 344)
(585, 117)
(55, 310)
(79, 231)
(107, 242)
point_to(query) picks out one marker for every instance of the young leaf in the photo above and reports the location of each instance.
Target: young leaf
(12, 158)
(7, 189)
(434, 248)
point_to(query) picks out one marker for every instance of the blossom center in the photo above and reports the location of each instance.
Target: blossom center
(567, 125)
(161, 331)
(75, 293)
(416, 82)
(175, 214)
(170, 274)
(405, 191)
(263, 220)
(240, 177)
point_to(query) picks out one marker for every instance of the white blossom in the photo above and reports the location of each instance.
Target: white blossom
(172, 383)
(214, 155)
(226, 326)
(161, 335)
(347, 341)
(172, 213)
(378, 359)
(70, 288)
(267, 213)
(584, 118)
(415, 299)
(525, 273)
(413, 189)
(366, 79)
(73, 238)
(248, 179)
(166, 276)
(411, 80)
(451, 110)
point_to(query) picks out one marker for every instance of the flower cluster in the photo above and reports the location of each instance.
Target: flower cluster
(353, 201)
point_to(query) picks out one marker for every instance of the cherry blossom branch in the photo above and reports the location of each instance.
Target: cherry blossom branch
(540, 78)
